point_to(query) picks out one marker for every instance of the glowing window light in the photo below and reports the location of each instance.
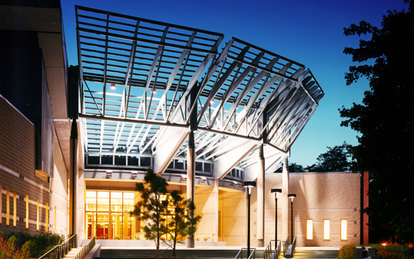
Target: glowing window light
(7, 207)
(326, 229)
(37, 216)
(344, 234)
(27, 211)
(309, 229)
(14, 209)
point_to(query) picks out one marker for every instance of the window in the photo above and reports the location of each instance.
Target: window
(37, 216)
(309, 229)
(27, 211)
(14, 209)
(326, 229)
(7, 207)
(47, 217)
(344, 234)
(108, 214)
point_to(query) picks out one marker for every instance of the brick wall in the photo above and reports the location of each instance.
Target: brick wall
(17, 173)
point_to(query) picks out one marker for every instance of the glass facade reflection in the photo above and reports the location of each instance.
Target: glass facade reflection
(108, 215)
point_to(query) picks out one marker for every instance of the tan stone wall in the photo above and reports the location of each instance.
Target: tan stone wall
(320, 196)
(59, 198)
(232, 217)
(332, 196)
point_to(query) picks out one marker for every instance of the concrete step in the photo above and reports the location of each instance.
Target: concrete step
(180, 253)
(315, 254)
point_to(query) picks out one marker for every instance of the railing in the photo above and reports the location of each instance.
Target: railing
(289, 247)
(269, 251)
(59, 251)
(243, 251)
(86, 249)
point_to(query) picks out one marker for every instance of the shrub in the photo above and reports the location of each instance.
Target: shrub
(347, 252)
(8, 249)
(21, 245)
(43, 242)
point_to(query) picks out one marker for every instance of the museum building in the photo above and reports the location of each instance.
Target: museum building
(206, 115)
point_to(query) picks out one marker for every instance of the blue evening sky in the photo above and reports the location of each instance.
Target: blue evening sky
(309, 32)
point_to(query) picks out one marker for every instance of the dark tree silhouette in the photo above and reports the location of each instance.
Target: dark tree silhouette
(336, 159)
(385, 121)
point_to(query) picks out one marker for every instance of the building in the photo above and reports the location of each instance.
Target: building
(147, 94)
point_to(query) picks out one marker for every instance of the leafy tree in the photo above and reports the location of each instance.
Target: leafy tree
(177, 225)
(192, 219)
(292, 167)
(151, 207)
(385, 120)
(336, 159)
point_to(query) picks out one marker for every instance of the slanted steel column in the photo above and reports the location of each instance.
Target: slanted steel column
(285, 200)
(190, 177)
(260, 198)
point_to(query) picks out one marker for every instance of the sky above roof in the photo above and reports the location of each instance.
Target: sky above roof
(309, 32)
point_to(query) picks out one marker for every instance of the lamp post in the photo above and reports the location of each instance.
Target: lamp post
(292, 196)
(248, 185)
(276, 191)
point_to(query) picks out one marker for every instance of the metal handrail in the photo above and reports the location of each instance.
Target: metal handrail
(289, 248)
(251, 256)
(59, 251)
(86, 249)
(269, 251)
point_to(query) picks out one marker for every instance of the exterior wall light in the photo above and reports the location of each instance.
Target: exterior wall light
(277, 192)
(248, 185)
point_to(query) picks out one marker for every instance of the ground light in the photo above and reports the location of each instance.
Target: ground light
(276, 191)
(248, 185)
(291, 196)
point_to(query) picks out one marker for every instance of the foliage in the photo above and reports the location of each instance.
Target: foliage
(336, 159)
(292, 167)
(9, 250)
(25, 244)
(347, 252)
(393, 251)
(152, 206)
(192, 220)
(178, 225)
(43, 242)
(385, 121)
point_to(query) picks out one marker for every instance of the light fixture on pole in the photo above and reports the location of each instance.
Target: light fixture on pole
(276, 191)
(291, 196)
(248, 185)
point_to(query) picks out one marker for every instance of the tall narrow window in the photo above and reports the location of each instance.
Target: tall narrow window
(309, 229)
(47, 217)
(27, 211)
(7, 207)
(37, 216)
(14, 209)
(344, 233)
(1, 204)
(326, 229)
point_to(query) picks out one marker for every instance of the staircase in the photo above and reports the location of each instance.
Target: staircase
(307, 253)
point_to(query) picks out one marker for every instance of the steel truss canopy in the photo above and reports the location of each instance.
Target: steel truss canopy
(146, 84)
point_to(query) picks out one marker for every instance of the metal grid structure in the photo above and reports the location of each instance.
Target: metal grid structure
(143, 81)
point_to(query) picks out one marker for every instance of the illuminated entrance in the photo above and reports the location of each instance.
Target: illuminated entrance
(108, 215)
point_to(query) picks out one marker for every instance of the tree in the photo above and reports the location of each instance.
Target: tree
(336, 159)
(177, 225)
(192, 219)
(292, 167)
(152, 207)
(385, 121)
